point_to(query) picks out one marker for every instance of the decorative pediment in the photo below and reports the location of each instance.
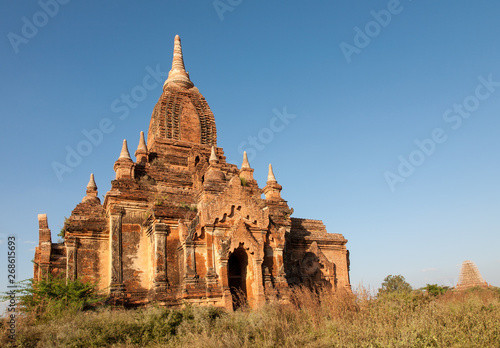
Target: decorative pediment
(239, 235)
(235, 202)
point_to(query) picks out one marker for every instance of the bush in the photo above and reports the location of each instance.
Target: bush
(435, 290)
(305, 318)
(395, 283)
(49, 298)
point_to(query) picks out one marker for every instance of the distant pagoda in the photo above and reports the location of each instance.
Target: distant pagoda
(470, 276)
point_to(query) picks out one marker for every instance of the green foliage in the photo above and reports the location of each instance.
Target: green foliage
(243, 181)
(395, 284)
(108, 326)
(435, 290)
(308, 319)
(62, 232)
(49, 298)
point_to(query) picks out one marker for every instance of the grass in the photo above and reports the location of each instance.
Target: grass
(307, 319)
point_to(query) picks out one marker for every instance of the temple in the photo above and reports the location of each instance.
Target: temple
(470, 277)
(181, 225)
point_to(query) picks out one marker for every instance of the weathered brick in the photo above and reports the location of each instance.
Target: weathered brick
(181, 224)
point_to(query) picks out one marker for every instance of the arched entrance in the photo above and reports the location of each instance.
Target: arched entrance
(237, 276)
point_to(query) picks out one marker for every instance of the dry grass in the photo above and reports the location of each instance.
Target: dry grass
(455, 319)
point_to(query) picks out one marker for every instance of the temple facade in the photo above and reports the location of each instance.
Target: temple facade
(181, 225)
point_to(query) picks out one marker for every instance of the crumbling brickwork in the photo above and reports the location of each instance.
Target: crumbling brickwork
(180, 224)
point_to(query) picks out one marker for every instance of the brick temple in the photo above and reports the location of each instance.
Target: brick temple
(470, 277)
(181, 225)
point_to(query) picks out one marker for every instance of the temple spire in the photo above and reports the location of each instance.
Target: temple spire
(245, 163)
(178, 73)
(91, 191)
(270, 175)
(272, 190)
(141, 154)
(246, 172)
(124, 154)
(213, 156)
(214, 174)
(91, 185)
(142, 143)
(124, 166)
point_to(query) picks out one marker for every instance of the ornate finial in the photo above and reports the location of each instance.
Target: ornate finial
(245, 163)
(91, 185)
(141, 154)
(91, 191)
(272, 190)
(213, 156)
(124, 166)
(178, 73)
(125, 154)
(142, 143)
(270, 175)
(214, 173)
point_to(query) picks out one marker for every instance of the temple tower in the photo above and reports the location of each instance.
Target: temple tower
(470, 276)
(181, 114)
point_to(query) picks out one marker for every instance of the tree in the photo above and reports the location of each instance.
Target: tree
(435, 290)
(395, 284)
(50, 297)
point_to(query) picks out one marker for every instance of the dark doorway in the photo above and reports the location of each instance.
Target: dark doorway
(237, 274)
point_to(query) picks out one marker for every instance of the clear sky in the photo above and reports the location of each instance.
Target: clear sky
(391, 113)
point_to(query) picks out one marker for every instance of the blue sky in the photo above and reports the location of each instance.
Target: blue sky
(391, 135)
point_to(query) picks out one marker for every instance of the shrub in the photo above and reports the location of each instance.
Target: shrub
(299, 318)
(395, 283)
(435, 290)
(50, 297)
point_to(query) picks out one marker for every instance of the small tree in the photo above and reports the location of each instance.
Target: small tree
(62, 232)
(435, 290)
(53, 296)
(395, 284)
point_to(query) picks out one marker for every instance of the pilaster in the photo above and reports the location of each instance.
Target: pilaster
(115, 254)
(160, 280)
(190, 275)
(71, 258)
(260, 299)
(227, 298)
(210, 257)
